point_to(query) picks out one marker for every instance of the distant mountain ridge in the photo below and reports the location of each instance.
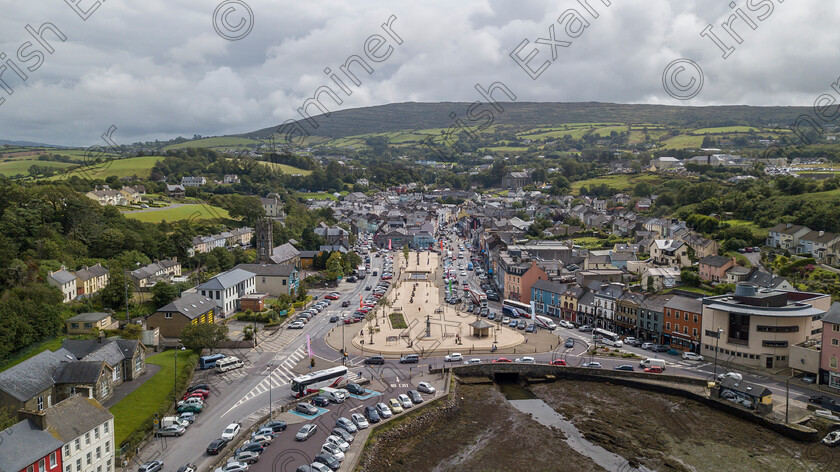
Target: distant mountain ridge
(27, 144)
(413, 115)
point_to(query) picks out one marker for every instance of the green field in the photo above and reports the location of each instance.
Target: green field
(220, 141)
(285, 169)
(682, 141)
(726, 129)
(620, 182)
(140, 166)
(192, 211)
(322, 195)
(136, 410)
(21, 166)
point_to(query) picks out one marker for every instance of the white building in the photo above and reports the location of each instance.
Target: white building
(227, 288)
(66, 282)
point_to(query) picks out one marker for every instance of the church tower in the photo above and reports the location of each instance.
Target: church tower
(265, 240)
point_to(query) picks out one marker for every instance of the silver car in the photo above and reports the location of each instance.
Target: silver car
(360, 421)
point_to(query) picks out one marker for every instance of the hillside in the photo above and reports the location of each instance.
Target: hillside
(414, 116)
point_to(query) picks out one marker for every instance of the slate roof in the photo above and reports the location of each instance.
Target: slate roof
(110, 353)
(283, 253)
(747, 388)
(833, 314)
(75, 416)
(62, 276)
(91, 272)
(80, 347)
(191, 305)
(226, 280)
(92, 317)
(79, 372)
(22, 442)
(549, 286)
(691, 305)
(268, 270)
(715, 261)
(33, 375)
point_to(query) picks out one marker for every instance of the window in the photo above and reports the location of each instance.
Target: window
(42, 465)
(98, 452)
(777, 329)
(99, 468)
(40, 403)
(67, 450)
(834, 342)
(87, 438)
(836, 328)
(108, 466)
(694, 332)
(31, 468)
(79, 464)
(833, 362)
(138, 364)
(87, 459)
(284, 282)
(105, 426)
(107, 446)
(677, 327)
(74, 325)
(770, 343)
(69, 468)
(168, 316)
(53, 462)
(686, 316)
(78, 444)
(695, 318)
(668, 325)
(96, 432)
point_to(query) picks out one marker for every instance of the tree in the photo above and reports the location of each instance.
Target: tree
(163, 294)
(113, 295)
(689, 277)
(334, 269)
(405, 254)
(199, 336)
(642, 189)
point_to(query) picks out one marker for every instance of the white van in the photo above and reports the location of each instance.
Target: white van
(170, 420)
(228, 363)
(650, 362)
(332, 394)
(545, 322)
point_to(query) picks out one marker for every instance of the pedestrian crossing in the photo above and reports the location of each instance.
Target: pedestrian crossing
(279, 341)
(278, 377)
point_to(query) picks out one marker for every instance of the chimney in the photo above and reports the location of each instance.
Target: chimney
(101, 337)
(37, 417)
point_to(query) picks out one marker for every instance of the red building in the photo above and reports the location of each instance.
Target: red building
(27, 448)
(683, 323)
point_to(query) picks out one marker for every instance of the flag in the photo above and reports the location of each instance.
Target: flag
(309, 345)
(360, 300)
(389, 244)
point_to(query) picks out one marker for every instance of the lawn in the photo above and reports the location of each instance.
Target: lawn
(140, 166)
(322, 195)
(620, 182)
(591, 242)
(21, 166)
(136, 411)
(683, 141)
(185, 212)
(286, 169)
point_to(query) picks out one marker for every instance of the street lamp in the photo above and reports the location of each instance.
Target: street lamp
(717, 341)
(181, 347)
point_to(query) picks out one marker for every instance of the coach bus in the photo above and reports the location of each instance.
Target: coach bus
(521, 309)
(334, 377)
(606, 337)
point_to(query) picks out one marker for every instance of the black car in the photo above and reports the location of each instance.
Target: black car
(415, 397)
(371, 414)
(320, 401)
(151, 466)
(352, 279)
(216, 446)
(334, 319)
(276, 425)
(355, 389)
(199, 387)
(328, 460)
(345, 303)
(624, 367)
(250, 446)
(375, 360)
(821, 400)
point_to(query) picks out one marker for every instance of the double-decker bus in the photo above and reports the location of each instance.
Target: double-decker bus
(519, 308)
(334, 377)
(606, 337)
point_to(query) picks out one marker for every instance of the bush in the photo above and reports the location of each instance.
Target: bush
(264, 317)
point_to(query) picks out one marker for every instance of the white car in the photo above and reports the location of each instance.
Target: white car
(231, 431)
(233, 467)
(692, 356)
(463, 273)
(296, 325)
(454, 357)
(334, 450)
(592, 365)
(405, 401)
(566, 324)
(359, 420)
(526, 360)
(832, 439)
(506, 320)
(425, 387)
(383, 410)
(472, 361)
(338, 442)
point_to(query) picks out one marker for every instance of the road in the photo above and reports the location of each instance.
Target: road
(243, 395)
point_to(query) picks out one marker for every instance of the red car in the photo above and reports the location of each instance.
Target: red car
(202, 394)
(332, 296)
(503, 359)
(654, 370)
(558, 362)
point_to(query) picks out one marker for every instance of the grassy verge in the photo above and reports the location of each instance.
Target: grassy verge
(134, 414)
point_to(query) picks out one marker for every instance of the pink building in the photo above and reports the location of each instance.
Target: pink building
(830, 350)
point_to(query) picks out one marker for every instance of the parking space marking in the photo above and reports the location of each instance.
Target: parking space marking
(321, 411)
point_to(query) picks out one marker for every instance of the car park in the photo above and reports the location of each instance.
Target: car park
(151, 466)
(371, 414)
(415, 397)
(307, 409)
(250, 446)
(215, 446)
(306, 432)
(692, 356)
(171, 430)
(359, 421)
(346, 424)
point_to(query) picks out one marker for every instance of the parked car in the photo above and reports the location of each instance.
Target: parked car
(320, 401)
(661, 348)
(333, 461)
(410, 359)
(502, 359)
(525, 360)
(187, 416)
(215, 446)
(250, 446)
(305, 432)
(263, 439)
(189, 407)
(296, 325)
(648, 346)
(405, 401)
(415, 397)
(276, 425)
(383, 410)
(359, 421)
(566, 324)
(624, 367)
(821, 400)
(151, 466)
(513, 323)
(346, 424)
(355, 389)
(248, 457)
(474, 360)
(808, 378)
(342, 433)
(171, 430)
(371, 414)
(307, 409)
(530, 328)
(199, 387)
(592, 365)
(264, 432)
(585, 328)
(231, 431)
(832, 438)
(692, 356)
(632, 341)
(375, 360)
(188, 468)
(395, 406)
(234, 466)
(653, 369)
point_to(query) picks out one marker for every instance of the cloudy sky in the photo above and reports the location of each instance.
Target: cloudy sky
(158, 69)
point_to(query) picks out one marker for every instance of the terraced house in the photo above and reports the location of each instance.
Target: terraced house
(91, 280)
